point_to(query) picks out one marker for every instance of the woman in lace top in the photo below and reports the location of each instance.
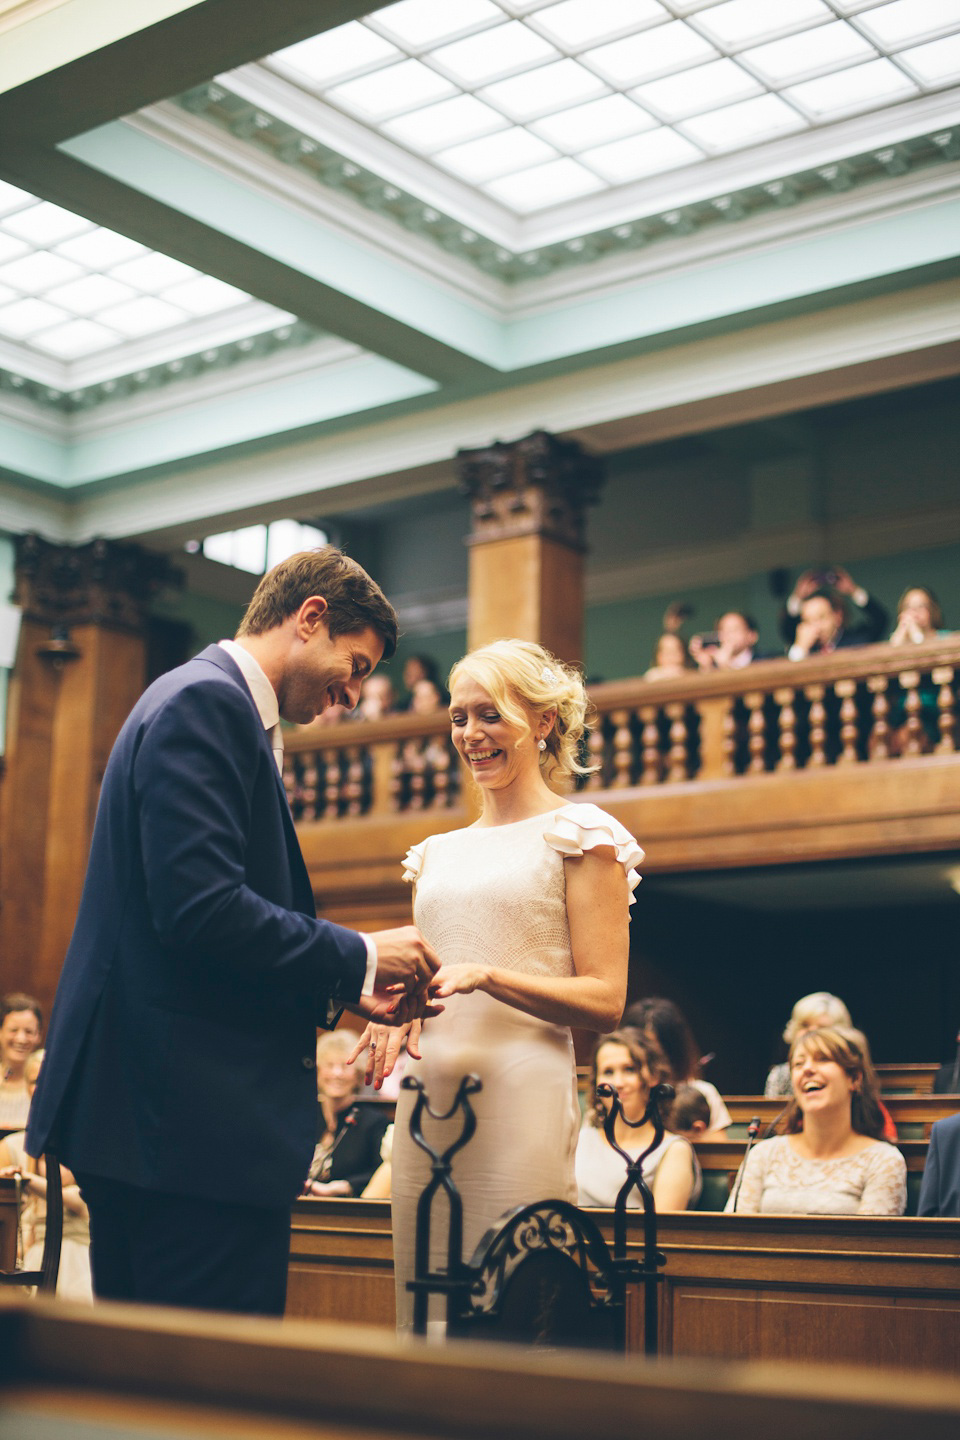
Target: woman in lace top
(527, 909)
(830, 1160)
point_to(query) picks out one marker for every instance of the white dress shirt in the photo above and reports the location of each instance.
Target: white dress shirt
(265, 699)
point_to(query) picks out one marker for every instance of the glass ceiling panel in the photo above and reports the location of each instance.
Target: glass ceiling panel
(536, 102)
(70, 289)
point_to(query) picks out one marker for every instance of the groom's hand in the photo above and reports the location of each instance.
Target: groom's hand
(404, 958)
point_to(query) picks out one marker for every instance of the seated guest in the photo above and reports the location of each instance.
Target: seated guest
(349, 1135)
(670, 659)
(830, 1160)
(732, 648)
(377, 698)
(21, 1020)
(809, 1013)
(689, 1114)
(622, 1061)
(919, 617)
(940, 1188)
(381, 1180)
(665, 1027)
(815, 620)
(73, 1279)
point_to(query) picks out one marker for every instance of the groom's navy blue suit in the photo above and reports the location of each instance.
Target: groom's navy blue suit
(180, 1055)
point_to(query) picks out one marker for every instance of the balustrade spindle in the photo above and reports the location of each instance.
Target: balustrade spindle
(847, 689)
(308, 791)
(912, 704)
(353, 786)
(416, 765)
(880, 709)
(651, 746)
(595, 748)
(440, 764)
(622, 749)
(677, 758)
(787, 723)
(331, 790)
(755, 731)
(730, 739)
(396, 780)
(946, 709)
(818, 724)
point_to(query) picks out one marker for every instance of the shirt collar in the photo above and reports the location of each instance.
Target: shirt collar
(263, 693)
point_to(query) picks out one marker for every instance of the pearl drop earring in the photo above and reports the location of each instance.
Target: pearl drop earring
(541, 744)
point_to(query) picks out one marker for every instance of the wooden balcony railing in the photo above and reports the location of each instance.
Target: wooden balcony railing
(854, 707)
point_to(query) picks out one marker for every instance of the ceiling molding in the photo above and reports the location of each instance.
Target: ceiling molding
(448, 216)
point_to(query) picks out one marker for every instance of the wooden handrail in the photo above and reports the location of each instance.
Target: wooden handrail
(858, 706)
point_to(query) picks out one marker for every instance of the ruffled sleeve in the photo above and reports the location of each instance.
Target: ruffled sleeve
(578, 828)
(412, 863)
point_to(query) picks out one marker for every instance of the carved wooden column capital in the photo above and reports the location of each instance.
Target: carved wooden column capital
(539, 485)
(101, 583)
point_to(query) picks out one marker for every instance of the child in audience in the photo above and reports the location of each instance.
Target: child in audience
(690, 1113)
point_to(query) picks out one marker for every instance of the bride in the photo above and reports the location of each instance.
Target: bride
(527, 909)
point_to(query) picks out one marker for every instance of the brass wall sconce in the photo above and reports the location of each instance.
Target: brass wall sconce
(59, 648)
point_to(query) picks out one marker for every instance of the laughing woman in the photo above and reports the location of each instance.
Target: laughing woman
(831, 1160)
(528, 910)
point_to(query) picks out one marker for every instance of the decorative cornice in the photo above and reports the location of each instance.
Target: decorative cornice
(218, 105)
(102, 583)
(539, 485)
(208, 361)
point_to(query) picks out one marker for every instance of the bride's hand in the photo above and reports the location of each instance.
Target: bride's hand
(383, 1044)
(457, 980)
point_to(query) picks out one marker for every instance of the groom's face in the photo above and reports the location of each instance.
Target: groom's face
(324, 671)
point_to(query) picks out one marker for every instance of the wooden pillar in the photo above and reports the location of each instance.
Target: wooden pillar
(80, 668)
(529, 501)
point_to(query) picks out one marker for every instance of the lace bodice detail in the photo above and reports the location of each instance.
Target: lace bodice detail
(778, 1181)
(496, 895)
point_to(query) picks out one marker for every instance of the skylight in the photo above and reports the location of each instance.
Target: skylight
(536, 102)
(70, 289)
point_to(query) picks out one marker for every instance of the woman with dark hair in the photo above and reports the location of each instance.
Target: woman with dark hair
(631, 1067)
(830, 1159)
(664, 1024)
(919, 617)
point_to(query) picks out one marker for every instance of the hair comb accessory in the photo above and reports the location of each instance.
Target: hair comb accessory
(550, 676)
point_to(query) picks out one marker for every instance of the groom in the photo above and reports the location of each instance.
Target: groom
(179, 1082)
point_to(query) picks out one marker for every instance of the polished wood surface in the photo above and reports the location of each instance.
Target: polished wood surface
(131, 1370)
(857, 1289)
(910, 1113)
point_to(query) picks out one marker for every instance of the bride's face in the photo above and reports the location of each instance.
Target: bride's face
(495, 751)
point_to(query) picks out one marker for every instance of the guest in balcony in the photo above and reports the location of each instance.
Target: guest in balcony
(919, 620)
(664, 1026)
(377, 698)
(428, 698)
(815, 619)
(21, 1020)
(919, 617)
(733, 646)
(631, 1067)
(809, 1013)
(349, 1136)
(417, 667)
(830, 1158)
(671, 658)
(689, 1113)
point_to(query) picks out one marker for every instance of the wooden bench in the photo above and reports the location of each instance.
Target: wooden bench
(913, 1115)
(856, 1289)
(131, 1371)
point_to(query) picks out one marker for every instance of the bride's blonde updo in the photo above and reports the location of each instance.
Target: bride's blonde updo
(521, 677)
